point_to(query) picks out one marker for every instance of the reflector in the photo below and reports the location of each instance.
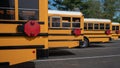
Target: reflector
(77, 32)
(107, 32)
(32, 28)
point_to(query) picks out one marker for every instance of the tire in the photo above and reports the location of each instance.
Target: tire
(85, 43)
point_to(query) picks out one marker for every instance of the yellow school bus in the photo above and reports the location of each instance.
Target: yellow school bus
(23, 29)
(97, 30)
(65, 29)
(115, 30)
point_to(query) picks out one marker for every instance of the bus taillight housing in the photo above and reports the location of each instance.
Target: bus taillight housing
(117, 31)
(107, 32)
(77, 32)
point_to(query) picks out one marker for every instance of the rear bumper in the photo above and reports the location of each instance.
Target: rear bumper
(21, 47)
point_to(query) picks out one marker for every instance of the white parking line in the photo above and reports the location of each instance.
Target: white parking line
(79, 58)
(118, 39)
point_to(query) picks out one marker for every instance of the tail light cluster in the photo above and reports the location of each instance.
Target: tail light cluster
(117, 31)
(76, 32)
(107, 32)
(32, 28)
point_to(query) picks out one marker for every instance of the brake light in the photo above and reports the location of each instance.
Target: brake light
(77, 32)
(117, 31)
(33, 52)
(107, 32)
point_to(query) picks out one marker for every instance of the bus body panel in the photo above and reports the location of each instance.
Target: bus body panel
(63, 44)
(115, 28)
(95, 32)
(61, 36)
(17, 55)
(16, 47)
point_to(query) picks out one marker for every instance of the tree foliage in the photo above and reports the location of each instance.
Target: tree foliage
(109, 9)
(67, 4)
(91, 8)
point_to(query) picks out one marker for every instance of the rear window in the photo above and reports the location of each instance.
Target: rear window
(55, 21)
(113, 27)
(102, 26)
(117, 27)
(76, 22)
(7, 9)
(28, 9)
(66, 22)
(90, 26)
(107, 26)
(96, 26)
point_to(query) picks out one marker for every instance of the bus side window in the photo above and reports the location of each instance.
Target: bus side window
(117, 27)
(113, 27)
(7, 9)
(102, 26)
(66, 22)
(90, 26)
(107, 26)
(76, 22)
(85, 26)
(55, 21)
(96, 27)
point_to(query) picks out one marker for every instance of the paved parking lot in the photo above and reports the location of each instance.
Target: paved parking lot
(105, 55)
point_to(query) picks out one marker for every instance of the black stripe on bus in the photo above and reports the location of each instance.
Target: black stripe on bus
(20, 34)
(64, 35)
(21, 47)
(64, 40)
(16, 22)
(99, 37)
(63, 28)
(60, 28)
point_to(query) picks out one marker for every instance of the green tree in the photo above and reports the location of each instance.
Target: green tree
(92, 9)
(117, 19)
(109, 9)
(67, 4)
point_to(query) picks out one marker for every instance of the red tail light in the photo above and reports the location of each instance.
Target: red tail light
(77, 32)
(107, 32)
(33, 51)
(32, 28)
(117, 31)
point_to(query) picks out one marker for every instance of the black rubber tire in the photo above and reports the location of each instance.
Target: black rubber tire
(85, 43)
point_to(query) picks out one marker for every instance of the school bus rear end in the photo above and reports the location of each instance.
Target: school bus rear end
(97, 30)
(115, 30)
(23, 29)
(63, 31)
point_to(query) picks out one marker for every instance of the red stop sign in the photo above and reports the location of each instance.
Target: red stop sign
(77, 32)
(32, 28)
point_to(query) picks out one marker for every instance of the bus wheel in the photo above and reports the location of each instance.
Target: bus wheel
(85, 43)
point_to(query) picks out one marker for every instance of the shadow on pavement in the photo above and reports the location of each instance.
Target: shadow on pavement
(96, 46)
(59, 52)
(24, 65)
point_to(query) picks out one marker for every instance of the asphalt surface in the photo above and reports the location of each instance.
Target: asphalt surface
(98, 55)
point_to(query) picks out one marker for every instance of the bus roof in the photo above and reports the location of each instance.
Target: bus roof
(95, 20)
(64, 12)
(115, 23)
